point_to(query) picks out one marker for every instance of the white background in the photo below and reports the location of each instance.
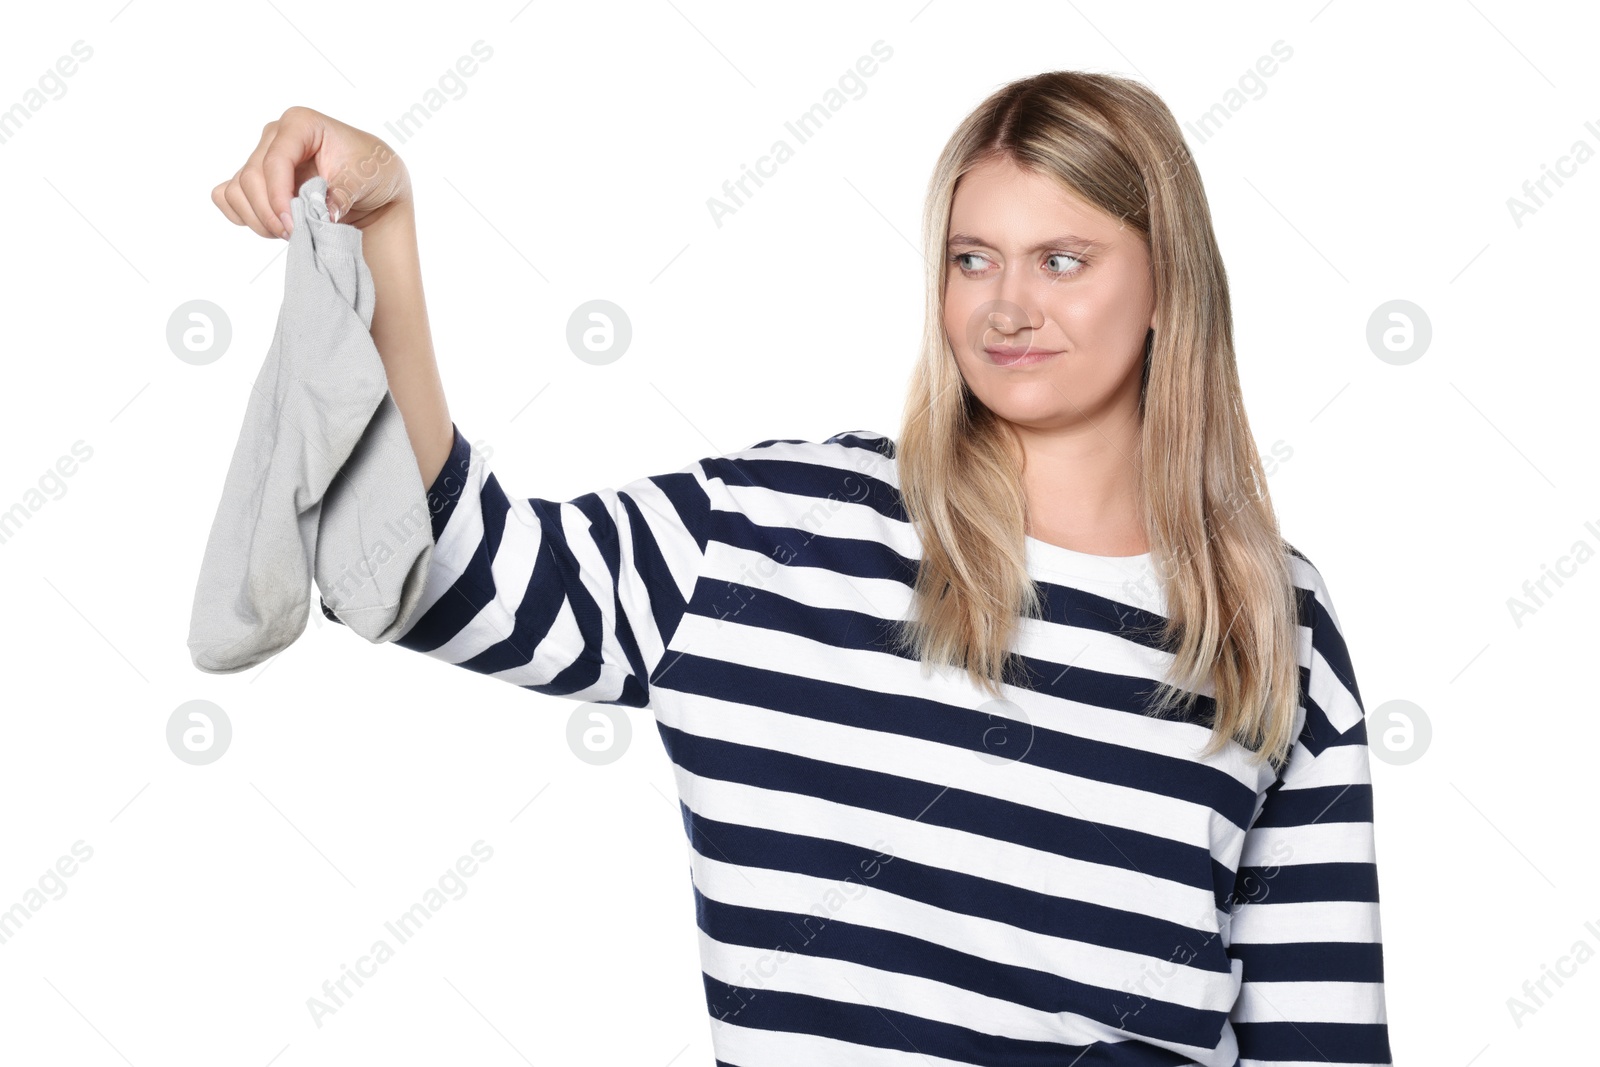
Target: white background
(577, 164)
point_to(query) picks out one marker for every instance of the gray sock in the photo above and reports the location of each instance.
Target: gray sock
(323, 479)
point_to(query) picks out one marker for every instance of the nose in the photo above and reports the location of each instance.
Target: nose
(1007, 319)
(1016, 305)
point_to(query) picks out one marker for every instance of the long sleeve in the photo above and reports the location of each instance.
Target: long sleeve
(1305, 921)
(572, 598)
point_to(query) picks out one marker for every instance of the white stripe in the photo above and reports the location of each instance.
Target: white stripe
(1311, 1002)
(1030, 869)
(776, 968)
(728, 640)
(853, 898)
(1333, 842)
(749, 1047)
(941, 766)
(1293, 924)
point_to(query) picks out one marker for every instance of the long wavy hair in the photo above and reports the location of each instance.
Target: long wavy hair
(1231, 614)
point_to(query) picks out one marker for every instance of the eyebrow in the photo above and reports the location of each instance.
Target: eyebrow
(1065, 239)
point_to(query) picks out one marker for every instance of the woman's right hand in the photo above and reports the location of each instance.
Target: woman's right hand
(364, 174)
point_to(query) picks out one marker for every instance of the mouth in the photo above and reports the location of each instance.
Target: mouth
(1017, 355)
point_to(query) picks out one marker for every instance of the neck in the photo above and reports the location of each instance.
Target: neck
(1082, 485)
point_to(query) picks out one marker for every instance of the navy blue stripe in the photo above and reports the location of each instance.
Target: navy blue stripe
(1326, 638)
(1318, 732)
(796, 546)
(607, 538)
(1224, 885)
(473, 589)
(1299, 883)
(449, 482)
(1314, 1042)
(781, 934)
(817, 481)
(972, 729)
(1318, 804)
(1004, 820)
(864, 1024)
(761, 607)
(866, 441)
(959, 893)
(1311, 961)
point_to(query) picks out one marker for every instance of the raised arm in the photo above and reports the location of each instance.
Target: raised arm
(575, 598)
(369, 188)
(400, 332)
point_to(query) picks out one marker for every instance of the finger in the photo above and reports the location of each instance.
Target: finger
(241, 206)
(219, 197)
(253, 181)
(254, 186)
(296, 139)
(237, 194)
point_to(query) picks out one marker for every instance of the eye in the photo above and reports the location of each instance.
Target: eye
(1076, 263)
(1067, 255)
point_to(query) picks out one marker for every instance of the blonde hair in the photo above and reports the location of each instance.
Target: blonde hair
(1231, 614)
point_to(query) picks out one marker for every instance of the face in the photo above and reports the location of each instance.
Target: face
(1034, 272)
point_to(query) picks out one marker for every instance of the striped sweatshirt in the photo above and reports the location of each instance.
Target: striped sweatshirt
(890, 867)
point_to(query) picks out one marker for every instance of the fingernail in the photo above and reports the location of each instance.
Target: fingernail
(288, 224)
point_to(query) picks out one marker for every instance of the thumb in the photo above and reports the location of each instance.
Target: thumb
(338, 202)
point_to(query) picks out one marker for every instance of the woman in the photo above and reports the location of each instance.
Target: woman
(1021, 738)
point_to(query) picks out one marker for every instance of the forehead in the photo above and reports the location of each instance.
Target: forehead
(1007, 206)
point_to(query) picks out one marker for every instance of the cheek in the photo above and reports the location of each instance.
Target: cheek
(965, 328)
(1087, 317)
(1075, 312)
